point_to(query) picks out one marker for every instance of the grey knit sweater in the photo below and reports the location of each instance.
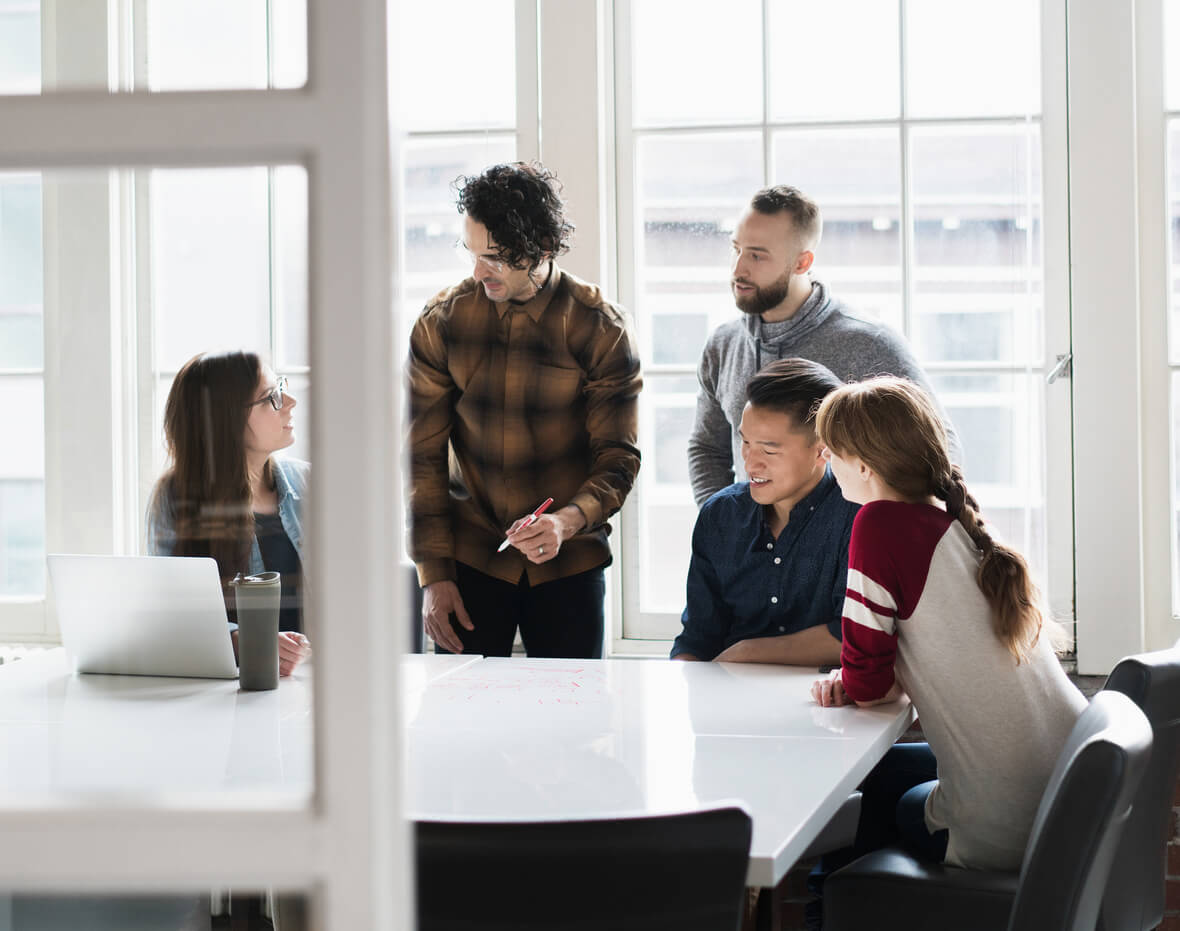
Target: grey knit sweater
(822, 330)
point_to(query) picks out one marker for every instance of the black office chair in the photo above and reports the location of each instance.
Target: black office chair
(1134, 899)
(1074, 836)
(685, 872)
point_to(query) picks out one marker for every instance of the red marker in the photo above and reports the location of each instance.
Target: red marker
(528, 521)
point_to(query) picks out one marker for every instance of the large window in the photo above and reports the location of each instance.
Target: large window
(22, 454)
(227, 265)
(191, 260)
(925, 159)
(22, 359)
(455, 125)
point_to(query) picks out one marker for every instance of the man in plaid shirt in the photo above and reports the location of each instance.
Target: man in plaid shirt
(524, 384)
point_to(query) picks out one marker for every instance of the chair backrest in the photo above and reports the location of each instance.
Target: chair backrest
(683, 871)
(1134, 898)
(1081, 816)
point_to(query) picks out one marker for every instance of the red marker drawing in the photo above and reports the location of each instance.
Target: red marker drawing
(528, 521)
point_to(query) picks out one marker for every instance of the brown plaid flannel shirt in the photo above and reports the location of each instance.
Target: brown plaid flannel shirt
(511, 404)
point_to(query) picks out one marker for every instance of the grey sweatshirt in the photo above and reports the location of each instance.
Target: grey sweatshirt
(822, 330)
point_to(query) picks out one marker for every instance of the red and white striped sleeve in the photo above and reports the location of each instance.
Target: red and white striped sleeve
(870, 607)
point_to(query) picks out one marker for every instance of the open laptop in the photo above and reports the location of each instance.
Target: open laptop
(143, 615)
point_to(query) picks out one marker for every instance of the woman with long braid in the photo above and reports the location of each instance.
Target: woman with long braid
(939, 610)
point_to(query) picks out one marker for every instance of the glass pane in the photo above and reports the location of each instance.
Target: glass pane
(288, 25)
(21, 338)
(978, 277)
(210, 262)
(430, 222)
(22, 538)
(20, 46)
(150, 740)
(1000, 422)
(290, 252)
(222, 44)
(806, 83)
(973, 59)
(439, 95)
(300, 388)
(667, 512)
(22, 492)
(105, 737)
(855, 177)
(691, 190)
(696, 62)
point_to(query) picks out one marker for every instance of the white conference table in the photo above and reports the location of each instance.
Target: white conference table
(486, 739)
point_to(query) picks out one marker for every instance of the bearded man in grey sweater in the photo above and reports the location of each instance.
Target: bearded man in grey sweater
(784, 313)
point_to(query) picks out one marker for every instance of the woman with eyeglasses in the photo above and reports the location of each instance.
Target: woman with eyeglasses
(225, 494)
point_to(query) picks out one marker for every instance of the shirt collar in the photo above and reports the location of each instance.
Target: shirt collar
(535, 305)
(827, 484)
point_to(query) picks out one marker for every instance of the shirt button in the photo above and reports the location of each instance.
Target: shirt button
(777, 560)
(781, 629)
(770, 546)
(774, 599)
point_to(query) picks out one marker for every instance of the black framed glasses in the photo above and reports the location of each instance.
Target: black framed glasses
(275, 395)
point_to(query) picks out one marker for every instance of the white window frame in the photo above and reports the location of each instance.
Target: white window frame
(648, 632)
(1119, 262)
(1161, 623)
(348, 849)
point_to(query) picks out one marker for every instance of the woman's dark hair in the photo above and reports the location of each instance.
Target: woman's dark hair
(892, 426)
(794, 387)
(520, 204)
(207, 486)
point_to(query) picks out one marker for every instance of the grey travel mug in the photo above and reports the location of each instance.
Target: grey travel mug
(257, 598)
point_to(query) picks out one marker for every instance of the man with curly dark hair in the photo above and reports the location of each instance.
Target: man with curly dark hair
(524, 384)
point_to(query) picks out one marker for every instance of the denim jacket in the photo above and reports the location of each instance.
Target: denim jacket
(291, 485)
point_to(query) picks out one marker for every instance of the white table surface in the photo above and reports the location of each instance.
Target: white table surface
(530, 739)
(494, 739)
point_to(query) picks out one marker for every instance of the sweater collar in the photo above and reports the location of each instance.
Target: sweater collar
(813, 311)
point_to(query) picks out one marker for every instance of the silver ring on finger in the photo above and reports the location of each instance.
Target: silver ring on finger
(540, 551)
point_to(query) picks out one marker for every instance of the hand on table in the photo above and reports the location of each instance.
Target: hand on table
(541, 540)
(293, 649)
(439, 601)
(830, 692)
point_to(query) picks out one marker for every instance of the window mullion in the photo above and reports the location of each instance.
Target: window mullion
(1155, 264)
(528, 85)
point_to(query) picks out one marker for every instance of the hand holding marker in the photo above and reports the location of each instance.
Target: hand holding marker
(528, 521)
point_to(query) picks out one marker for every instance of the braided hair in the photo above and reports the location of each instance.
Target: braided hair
(892, 426)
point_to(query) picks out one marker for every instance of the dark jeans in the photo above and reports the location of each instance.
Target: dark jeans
(562, 618)
(892, 811)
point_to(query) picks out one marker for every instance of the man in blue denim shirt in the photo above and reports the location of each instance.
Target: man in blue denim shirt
(770, 556)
